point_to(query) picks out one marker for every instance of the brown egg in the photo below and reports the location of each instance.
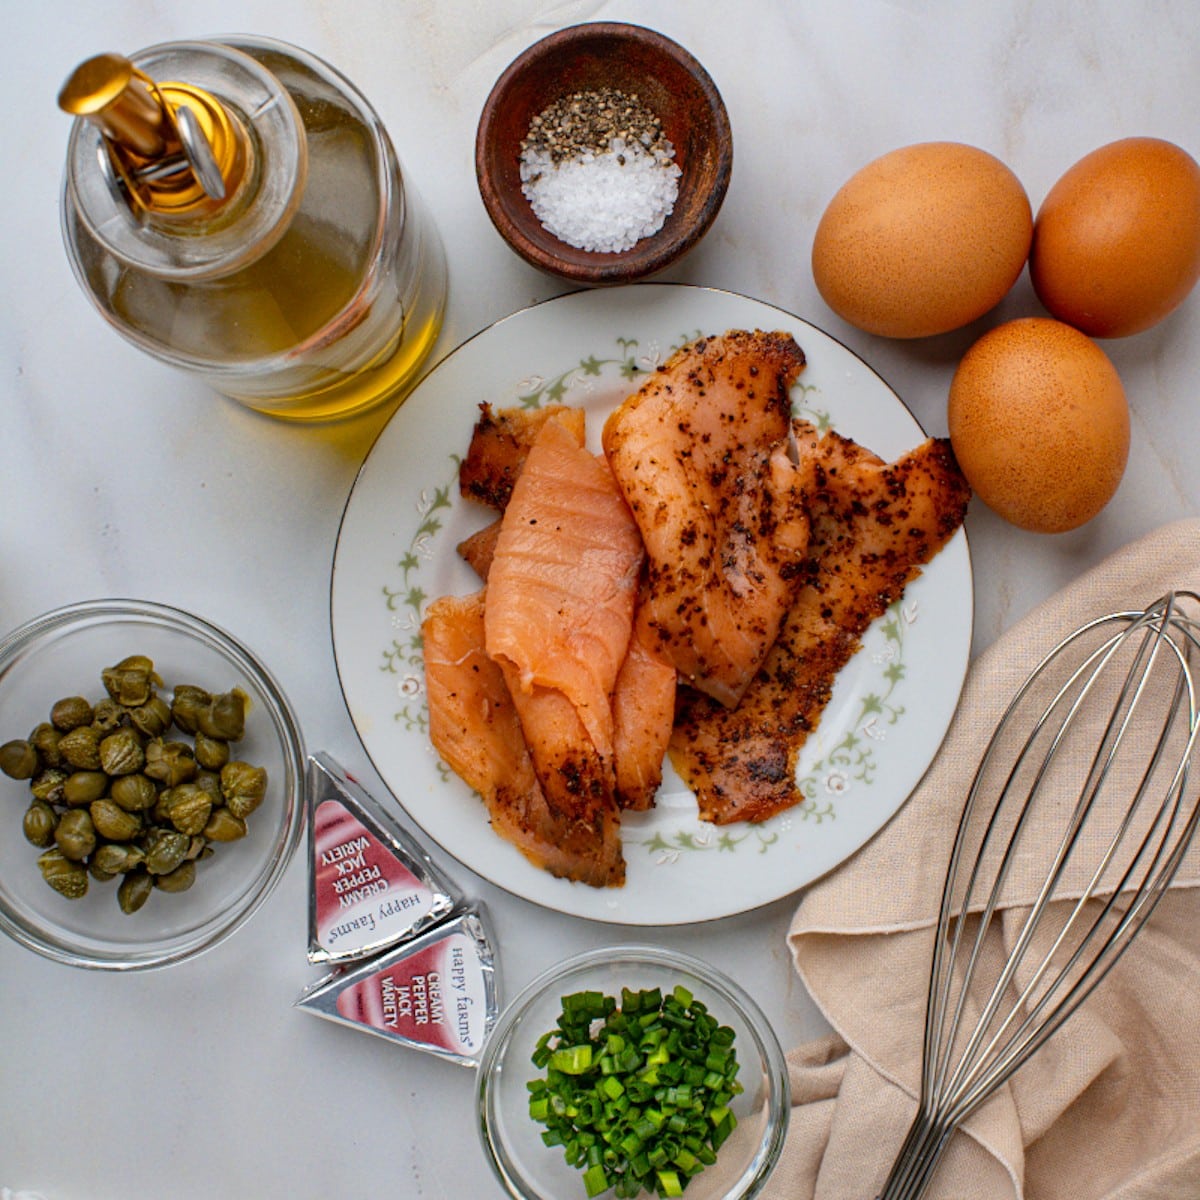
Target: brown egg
(1039, 424)
(923, 240)
(1116, 245)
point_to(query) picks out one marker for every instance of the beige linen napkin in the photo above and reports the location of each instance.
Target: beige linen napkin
(1109, 1109)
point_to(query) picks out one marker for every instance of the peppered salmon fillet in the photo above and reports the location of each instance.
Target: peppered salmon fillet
(873, 526)
(693, 452)
(475, 727)
(499, 445)
(563, 580)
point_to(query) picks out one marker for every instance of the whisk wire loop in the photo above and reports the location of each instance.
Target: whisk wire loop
(1074, 846)
(973, 1060)
(937, 1047)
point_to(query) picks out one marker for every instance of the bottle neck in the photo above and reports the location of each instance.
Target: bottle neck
(197, 178)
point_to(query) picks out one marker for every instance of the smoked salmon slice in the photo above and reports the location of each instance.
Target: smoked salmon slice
(692, 450)
(479, 549)
(563, 581)
(643, 713)
(577, 783)
(475, 727)
(873, 526)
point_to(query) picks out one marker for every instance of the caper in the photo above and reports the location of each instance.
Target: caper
(134, 891)
(131, 681)
(165, 850)
(81, 748)
(210, 781)
(107, 716)
(66, 877)
(225, 717)
(71, 712)
(121, 753)
(223, 826)
(38, 823)
(243, 787)
(139, 662)
(160, 814)
(211, 753)
(98, 873)
(118, 858)
(113, 822)
(18, 759)
(82, 787)
(186, 704)
(170, 762)
(75, 835)
(134, 793)
(178, 880)
(48, 785)
(45, 739)
(151, 719)
(187, 807)
(196, 848)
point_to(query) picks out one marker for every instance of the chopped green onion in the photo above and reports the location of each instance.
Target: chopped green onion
(595, 1180)
(636, 1093)
(668, 1183)
(574, 1060)
(723, 1126)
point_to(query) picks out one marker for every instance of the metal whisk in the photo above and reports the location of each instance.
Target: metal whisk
(1070, 835)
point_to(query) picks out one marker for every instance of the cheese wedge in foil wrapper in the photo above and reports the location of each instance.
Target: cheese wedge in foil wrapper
(438, 993)
(371, 886)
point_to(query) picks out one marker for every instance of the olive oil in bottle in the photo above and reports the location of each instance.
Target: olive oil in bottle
(250, 223)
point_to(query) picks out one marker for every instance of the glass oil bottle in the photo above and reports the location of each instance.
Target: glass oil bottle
(237, 210)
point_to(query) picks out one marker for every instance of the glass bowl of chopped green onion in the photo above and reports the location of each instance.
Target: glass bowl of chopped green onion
(151, 784)
(633, 1071)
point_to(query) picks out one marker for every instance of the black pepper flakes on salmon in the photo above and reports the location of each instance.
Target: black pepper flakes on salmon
(699, 452)
(874, 525)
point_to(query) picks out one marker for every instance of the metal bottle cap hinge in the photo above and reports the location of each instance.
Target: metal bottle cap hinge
(171, 149)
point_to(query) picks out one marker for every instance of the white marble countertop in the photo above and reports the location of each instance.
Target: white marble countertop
(118, 478)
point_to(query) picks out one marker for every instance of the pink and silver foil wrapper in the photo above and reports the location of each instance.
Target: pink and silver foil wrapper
(371, 885)
(438, 993)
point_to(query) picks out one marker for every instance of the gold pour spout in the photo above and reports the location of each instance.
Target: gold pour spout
(174, 148)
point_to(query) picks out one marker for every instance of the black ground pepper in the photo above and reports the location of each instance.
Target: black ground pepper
(587, 122)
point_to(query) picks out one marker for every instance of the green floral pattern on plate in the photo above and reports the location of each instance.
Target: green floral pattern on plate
(406, 602)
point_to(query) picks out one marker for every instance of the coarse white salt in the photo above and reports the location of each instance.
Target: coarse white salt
(605, 202)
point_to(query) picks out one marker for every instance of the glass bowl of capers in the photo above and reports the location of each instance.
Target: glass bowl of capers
(151, 776)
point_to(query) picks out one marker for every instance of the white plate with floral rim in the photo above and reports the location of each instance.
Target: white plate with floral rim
(396, 551)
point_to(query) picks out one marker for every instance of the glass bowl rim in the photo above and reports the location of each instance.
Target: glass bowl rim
(285, 726)
(643, 954)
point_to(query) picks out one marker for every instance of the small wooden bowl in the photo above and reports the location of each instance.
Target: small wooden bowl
(630, 59)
